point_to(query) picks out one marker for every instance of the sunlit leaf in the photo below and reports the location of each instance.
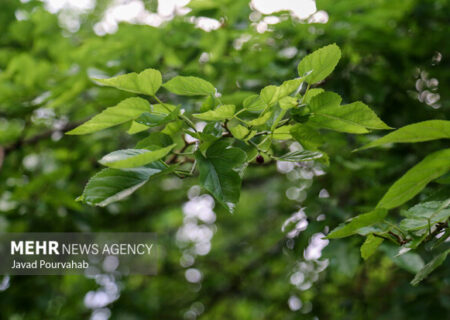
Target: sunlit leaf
(126, 110)
(147, 82)
(417, 132)
(416, 178)
(189, 86)
(220, 113)
(321, 62)
(358, 222)
(370, 246)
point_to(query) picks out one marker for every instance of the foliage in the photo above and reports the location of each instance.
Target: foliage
(258, 263)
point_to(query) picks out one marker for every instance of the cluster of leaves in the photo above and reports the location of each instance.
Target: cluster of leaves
(255, 131)
(424, 221)
(232, 137)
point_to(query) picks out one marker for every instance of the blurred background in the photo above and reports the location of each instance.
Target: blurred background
(268, 260)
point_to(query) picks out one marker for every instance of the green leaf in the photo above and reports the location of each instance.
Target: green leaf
(358, 222)
(158, 139)
(296, 156)
(288, 102)
(429, 267)
(260, 120)
(413, 181)
(111, 185)
(189, 86)
(416, 132)
(220, 113)
(424, 214)
(219, 172)
(126, 110)
(352, 118)
(283, 133)
(370, 246)
(131, 158)
(269, 95)
(239, 131)
(311, 93)
(307, 136)
(147, 82)
(136, 128)
(154, 119)
(253, 103)
(321, 63)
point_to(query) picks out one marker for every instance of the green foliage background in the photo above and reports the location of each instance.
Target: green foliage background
(390, 54)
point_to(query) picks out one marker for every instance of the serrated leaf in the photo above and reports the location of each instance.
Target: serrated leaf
(111, 185)
(262, 119)
(416, 178)
(416, 132)
(219, 172)
(429, 267)
(311, 93)
(128, 109)
(283, 133)
(358, 222)
(189, 86)
(424, 214)
(321, 63)
(239, 131)
(307, 136)
(147, 82)
(288, 102)
(352, 118)
(132, 158)
(370, 246)
(297, 156)
(220, 113)
(253, 103)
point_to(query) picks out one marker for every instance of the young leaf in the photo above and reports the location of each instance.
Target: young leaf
(429, 267)
(260, 120)
(288, 102)
(126, 110)
(147, 82)
(321, 63)
(220, 113)
(311, 93)
(111, 185)
(416, 132)
(189, 86)
(297, 156)
(132, 158)
(358, 222)
(352, 118)
(413, 181)
(239, 131)
(219, 172)
(253, 103)
(370, 246)
(307, 136)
